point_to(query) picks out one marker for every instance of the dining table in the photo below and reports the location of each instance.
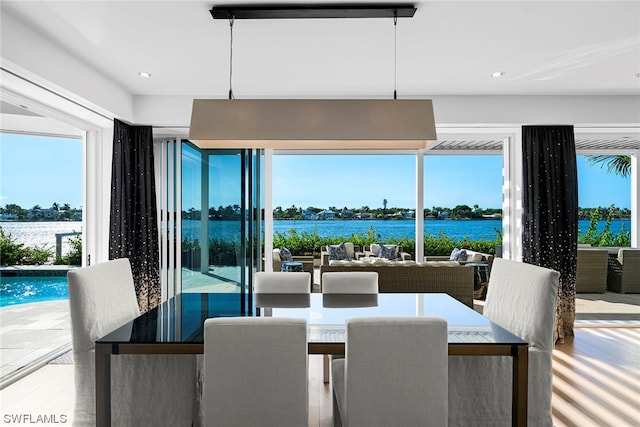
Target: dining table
(176, 326)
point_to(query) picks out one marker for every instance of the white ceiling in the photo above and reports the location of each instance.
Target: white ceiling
(448, 48)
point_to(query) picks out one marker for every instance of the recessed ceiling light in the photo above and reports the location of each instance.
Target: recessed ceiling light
(497, 74)
(144, 74)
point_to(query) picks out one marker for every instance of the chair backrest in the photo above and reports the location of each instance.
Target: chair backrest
(396, 371)
(255, 372)
(102, 297)
(353, 282)
(522, 299)
(292, 282)
(629, 257)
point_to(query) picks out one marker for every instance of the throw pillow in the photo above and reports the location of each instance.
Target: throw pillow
(458, 255)
(285, 255)
(338, 252)
(388, 251)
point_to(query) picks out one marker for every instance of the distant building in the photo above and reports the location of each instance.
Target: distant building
(309, 215)
(8, 216)
(364, 215)
(35, 214)
(326, 214)
(346, 213)
(409, 214)
(492, 216)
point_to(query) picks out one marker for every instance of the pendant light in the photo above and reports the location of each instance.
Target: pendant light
(312, 123)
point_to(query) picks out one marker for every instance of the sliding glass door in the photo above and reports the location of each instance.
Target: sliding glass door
(221, 215)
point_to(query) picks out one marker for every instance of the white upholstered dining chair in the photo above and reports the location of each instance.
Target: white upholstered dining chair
(293, 282)
(522, 299)
(148, 390)
(256, 372)
(394, 373)
(353, 282)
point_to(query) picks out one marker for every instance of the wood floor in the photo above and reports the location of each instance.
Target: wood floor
(596, 382)
(596, 378)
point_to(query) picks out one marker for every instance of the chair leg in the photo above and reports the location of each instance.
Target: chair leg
(326, 367)
(337, 420)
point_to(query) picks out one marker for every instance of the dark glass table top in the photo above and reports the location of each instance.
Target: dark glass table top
(181, 319)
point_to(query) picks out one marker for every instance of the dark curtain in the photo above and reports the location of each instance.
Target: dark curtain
(550, 211)
(134, 227)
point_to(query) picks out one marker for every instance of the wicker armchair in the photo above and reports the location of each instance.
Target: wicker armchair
(306, 260)
(591, 272)
(624, 271)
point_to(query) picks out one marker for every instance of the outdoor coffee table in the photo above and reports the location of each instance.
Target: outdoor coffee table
(291, 266)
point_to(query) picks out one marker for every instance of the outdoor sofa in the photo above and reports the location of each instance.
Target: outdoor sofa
(624, 271)
(375, 250)
(352, 252)
(411, 276)
(471, 257)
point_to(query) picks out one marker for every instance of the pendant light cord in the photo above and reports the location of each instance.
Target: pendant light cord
(395, 54)
(231, 20)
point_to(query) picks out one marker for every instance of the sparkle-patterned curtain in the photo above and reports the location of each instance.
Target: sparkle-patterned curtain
(134, 227)
(550, 212)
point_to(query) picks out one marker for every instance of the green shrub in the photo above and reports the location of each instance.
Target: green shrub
(10, 251)
(439, 245)
(311, 243)
(37, 255)
(604, 237)
(74, 257)
(14, 253)
(223, 252)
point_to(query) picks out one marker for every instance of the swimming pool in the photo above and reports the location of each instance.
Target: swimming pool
(25, 289)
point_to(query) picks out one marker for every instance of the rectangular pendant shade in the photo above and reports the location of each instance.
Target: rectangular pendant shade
(312, 123)
(314, 11)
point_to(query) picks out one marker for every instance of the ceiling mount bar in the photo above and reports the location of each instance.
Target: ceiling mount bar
(313, 11)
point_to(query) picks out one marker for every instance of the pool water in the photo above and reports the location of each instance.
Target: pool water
(23, 289)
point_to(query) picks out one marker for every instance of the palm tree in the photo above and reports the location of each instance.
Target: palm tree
(618, 164)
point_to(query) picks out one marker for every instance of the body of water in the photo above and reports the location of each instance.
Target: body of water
(22, 290)
(41, 233)
(473, 229)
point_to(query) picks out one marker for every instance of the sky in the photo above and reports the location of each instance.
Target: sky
(356, 181)
(37, 170)
(42, 170)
